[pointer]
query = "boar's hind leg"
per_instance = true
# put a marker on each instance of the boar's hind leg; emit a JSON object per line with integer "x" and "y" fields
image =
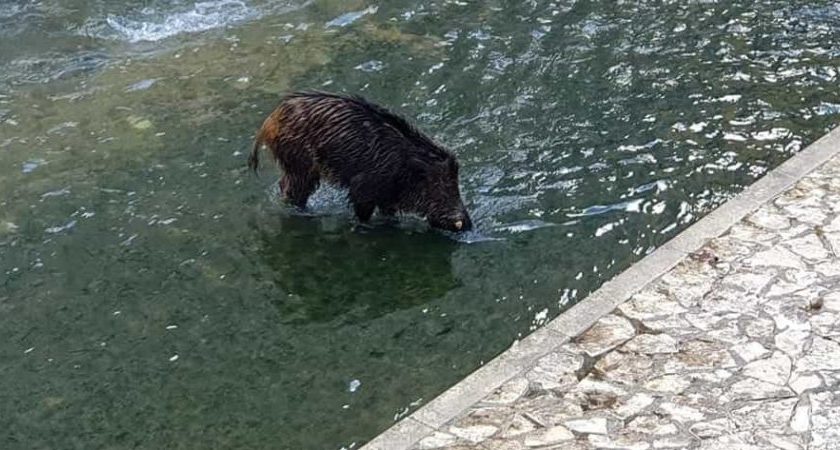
{"x": 297, "y": 189}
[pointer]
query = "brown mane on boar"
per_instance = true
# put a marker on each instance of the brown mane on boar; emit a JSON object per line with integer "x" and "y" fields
{"x": 384, "y": 161}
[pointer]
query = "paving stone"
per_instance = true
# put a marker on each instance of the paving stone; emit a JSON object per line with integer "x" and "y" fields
{"x": 808, "y": 247}
{"x": 652, "y": 425}
{"x": 781, "y": 441}
{"x": 745, "y": 231}
{"x": 730, "y": 300}
{"x": 634, "y": 405}
{"x": 595, "y": 425}
{"x": 509, "y": 392}
{"x": 834, "y": 225}
{"x": 800, "y": 421}
{"x": 823, "y": 354}
{"x": 674, "y": 384}
{"x": 607, "y": 334}
{"x": 730, "y": 249}
{"x": 555, "y": 371}
{"x": 710, "y": 377}
{"x": 607, "y": 442}
{"x": 831, "y": 301}
{"x": 764, "y": 414}
{"x": 826, "y": 324}
{"x": 768, "y": 217}
{"x": 800, "y": 382}
{"x": 503, "y": 444}
{"x": 831, "y": 378}
{"x": 825, "y": 410}
{"x": 793, "y": 342}
{"x": 752, "y": 389}
{"x": 549, "y": 436}
{"x": 627, "y": 368}
{"x": 671, "y": 325}
{"x": 805, "y": 208}
{"x": 651, "y": 344}
{"x": 759, "y": 327}
{"x": 707, "y": 399}
{"x": 739, "y": 441}
{"x": 646, "y": 305}
{"x": 594, "y": 400}
{"x": 474, "y": 433}
{"x": 687, "y": 285}
{"x": 828, "y": 439}
{"x": 681, "y": 413}
{"x": 699, "y": 355}
{"x": 672, "y": 442}
{"x": 592, "y": 384}
{"x": 774, "y": 370}
{"x": 458, "y": 446}
{"x": 706, "y": 320}
{"x": 484, "y": 415}
{"x": 548, "y": 410}
{"x": 712, "y": 428}
{"x": 829, "y": 268}
{"x": 752, "y": 282}
{"x": 791, "y": 281}
{"x": 776, "y": 257}
{"x": 750, "y": 351}
{"x": 518, "y": 425}
{"x": 788, "y": 316}
{"x": 436, "y": 440}
{"x": 731, "y": 334}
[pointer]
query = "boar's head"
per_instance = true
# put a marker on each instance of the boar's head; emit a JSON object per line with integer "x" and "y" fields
{"x": 436, "y": 194}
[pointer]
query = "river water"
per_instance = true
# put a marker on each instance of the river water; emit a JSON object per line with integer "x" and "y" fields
{"x": 154, "y": 294}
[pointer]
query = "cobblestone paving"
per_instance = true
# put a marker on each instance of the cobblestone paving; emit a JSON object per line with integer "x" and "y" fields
{"x": 738, "y": 347}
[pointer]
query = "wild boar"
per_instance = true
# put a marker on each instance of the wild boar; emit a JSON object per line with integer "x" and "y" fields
{"x": 383, "y": 161}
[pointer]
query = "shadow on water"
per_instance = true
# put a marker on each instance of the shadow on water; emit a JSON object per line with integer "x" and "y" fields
{"x": 351, "y": 273}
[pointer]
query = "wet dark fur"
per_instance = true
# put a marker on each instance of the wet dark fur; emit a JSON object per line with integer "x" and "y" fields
{"x": 383, "y": 161}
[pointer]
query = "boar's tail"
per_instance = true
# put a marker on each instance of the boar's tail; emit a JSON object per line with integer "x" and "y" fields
{"x": 268, "y": 135}
{"x": 254, "y": 157}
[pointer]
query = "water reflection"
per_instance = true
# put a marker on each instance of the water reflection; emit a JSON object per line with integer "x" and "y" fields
{"x": 352, "y": 274}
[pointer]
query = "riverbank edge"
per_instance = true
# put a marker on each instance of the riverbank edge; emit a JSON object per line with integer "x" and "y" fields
{"x": 523, "y": 354}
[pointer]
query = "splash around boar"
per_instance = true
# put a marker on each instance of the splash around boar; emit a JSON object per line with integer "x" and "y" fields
{"x": 384, "y": 162}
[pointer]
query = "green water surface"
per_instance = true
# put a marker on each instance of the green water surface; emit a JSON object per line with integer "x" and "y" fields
{"x": 154, "y": 294}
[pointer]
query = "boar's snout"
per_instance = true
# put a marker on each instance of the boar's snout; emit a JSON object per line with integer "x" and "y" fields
{"x": 456, "y": 223}
{"x": 464, "y": 223}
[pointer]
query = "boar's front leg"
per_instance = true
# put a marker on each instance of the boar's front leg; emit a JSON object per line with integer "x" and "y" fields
{"x": 363, "y": 211}
{"x": 363, "y": 197}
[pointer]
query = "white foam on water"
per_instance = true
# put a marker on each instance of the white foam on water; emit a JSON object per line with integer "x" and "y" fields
{"x": 141, "y": 85}
{"x": 773, "y": 134}
{"x": 201, "y": 17}
{"x": 472, "y": 237}
{"x": 12, "y": 10}
{"x": 523, "y": 226}
{"x": 60, "y": 228}
{"x": 350, "y": 17}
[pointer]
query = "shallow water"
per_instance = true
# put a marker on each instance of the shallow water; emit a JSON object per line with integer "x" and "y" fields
{"x": 156, "y": 295}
